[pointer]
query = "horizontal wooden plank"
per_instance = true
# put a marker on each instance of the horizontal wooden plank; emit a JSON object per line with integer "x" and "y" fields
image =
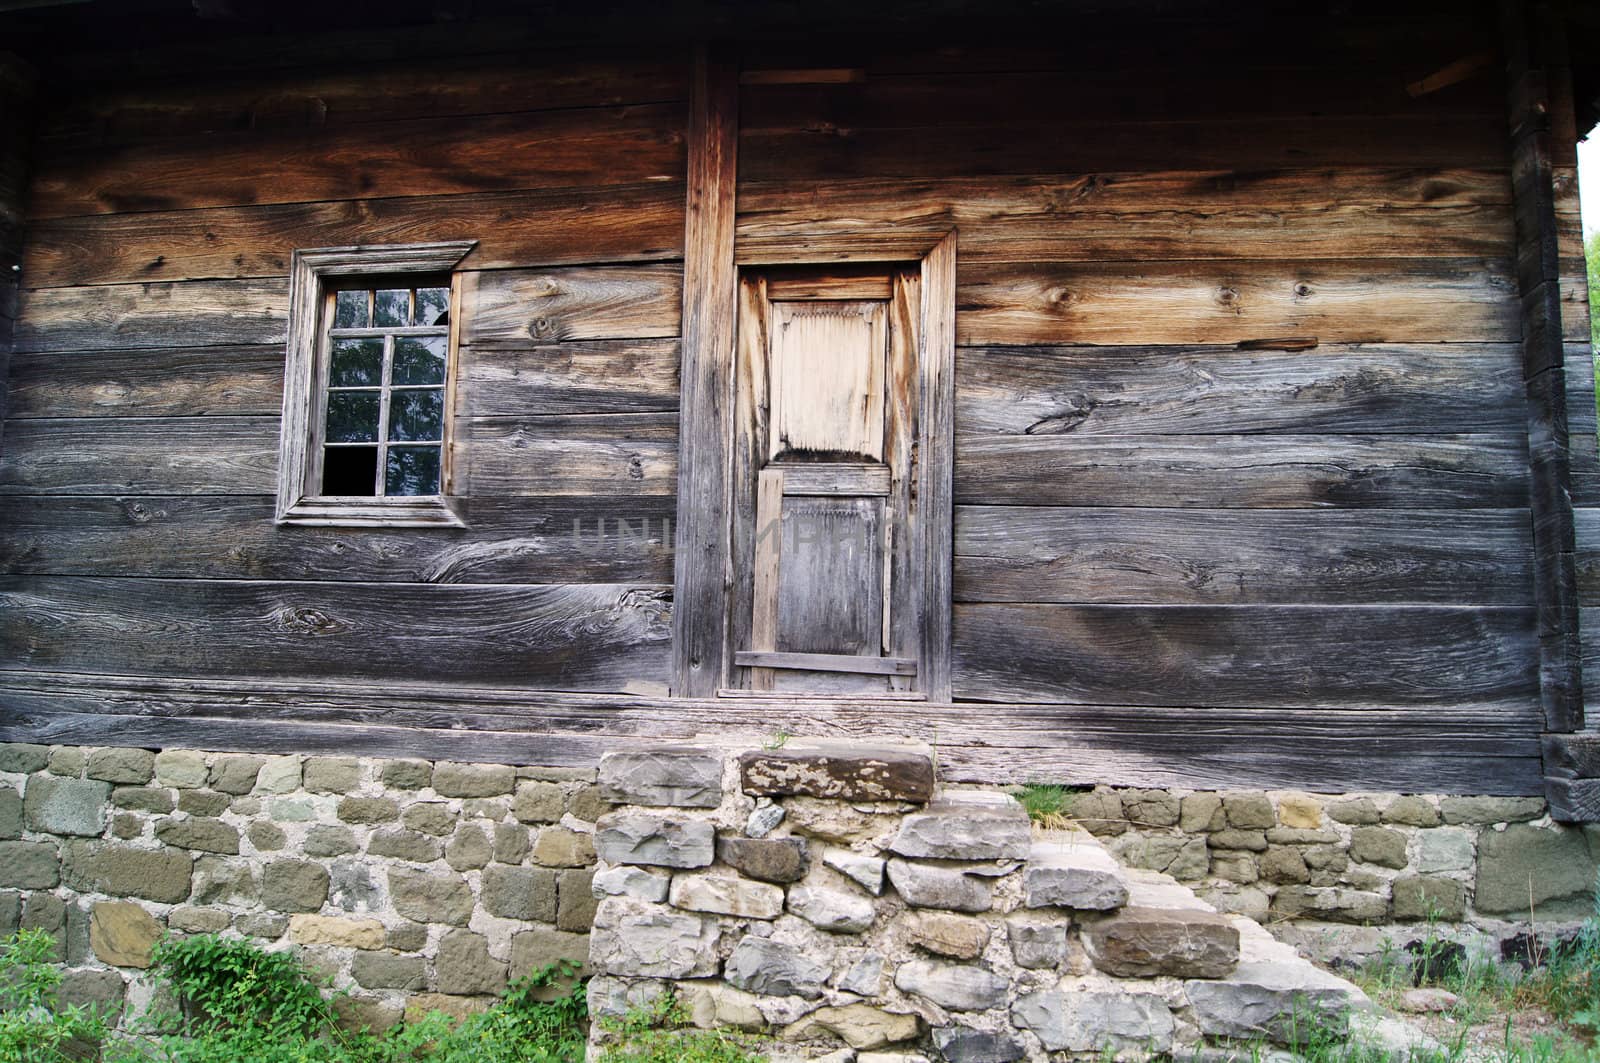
{"x": 1325, "y": 656}
{"x": 1181, "y": 390}
{"x": 342, "y": 95}
{"x": 618, "y": 223}
{"x": 625, "y": 539}
{"x": 161, "y": 314}
{"x": 826, "y": 662}
{"x": 611, "y": 637}
{"x": 580, "y": 376}
{"x": 148, "y": 382}
{"x": 604, "y": 456}
{"x": 1394, "y": 301}
{"x": 1484, "y": 748}
{"x": 1239, "y": 557}
{"x": 1245, "y": 472}
{"x": 432, "y": 156}
{"x": 1085, "y": 145}
{"x": 517, "y": 308}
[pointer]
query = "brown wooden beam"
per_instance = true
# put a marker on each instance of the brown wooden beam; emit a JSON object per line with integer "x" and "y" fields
{"x": 702, "y": 564}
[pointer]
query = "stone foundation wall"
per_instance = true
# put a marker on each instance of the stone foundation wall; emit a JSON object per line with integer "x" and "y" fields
{"x": 429, "y": 884}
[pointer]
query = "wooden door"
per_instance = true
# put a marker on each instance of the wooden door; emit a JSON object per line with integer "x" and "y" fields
{"x": 826, "y": 577}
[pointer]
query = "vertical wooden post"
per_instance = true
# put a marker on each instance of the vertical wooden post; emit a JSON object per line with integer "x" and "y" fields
{"x": 703, "y": 564}
{"x": 16, "y": 136}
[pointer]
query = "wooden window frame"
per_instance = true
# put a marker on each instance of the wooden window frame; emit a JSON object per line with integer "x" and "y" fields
{"x": 300, "y": 500}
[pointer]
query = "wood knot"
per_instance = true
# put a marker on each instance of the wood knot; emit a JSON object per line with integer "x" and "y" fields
{"x": 1302, "y": 290}
{"x": 307, "y": 621}
{"x": 137, "y": 512}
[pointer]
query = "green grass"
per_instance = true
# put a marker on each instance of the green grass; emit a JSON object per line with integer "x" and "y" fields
{"x": 1047, "y": 804}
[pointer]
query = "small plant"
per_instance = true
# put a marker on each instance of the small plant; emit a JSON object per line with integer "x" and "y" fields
{"x": 226, "y": 984}
{"x": 1046, "y": 804}
{"x": 34, "y": 1028}
{"x": 661, "y": 1033}
{"x": 776, "y": 740}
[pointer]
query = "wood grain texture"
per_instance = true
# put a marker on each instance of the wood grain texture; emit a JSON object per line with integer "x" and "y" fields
{"x": 518, "y": 307}
{"x": 1240, "y": 557}
{"x": 1475, "y": 748}
{"x": 240, "y": 381}
{"x": 159, "y": 314}
{"x": 581, "y": 376}
{"x": 625, "y": 539}
{"x": 593, "y": 637}
{"x": 618, "y": 223}
{"x": 1245, "y": 472}
{"x": 608, "y": 455}
{"x": 1244, "y": 655}
{"x": 1421, "y": 301}
{"x": 1183, "y": 390}
{"x": 432, "y": 156}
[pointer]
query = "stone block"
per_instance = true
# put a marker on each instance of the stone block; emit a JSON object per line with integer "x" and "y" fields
{"x": 832, "y": 910}
{"x": 122, "y": 934}
{"x": 1105, "y": 1022}
{"x": 128, "y": 766}
{"x": 23, "y": 759}
{"x": 181, "y": 768}
{"x": 1073, "y": 874}
{"x": 1356, "y": 811}
{"x": 780, "y": 860}
{"x": 351, "y": 886}
{"x": 268, "y": 926}
{"x": 10, "y": 913}
{"x": 294, "y": 886}
{"x": 453, "y": 1008}
{"x": 188, "y": 919}
{"x": 201, "y": 835}
{"x": 430, "y": 817}
{"x": 575, "y": 900}
{"x": 540, "y": 947}
{"x": 1233, "y": 866}
{"x": 860, "y": 1026}
{"x": 638, "y": 940}
{"x": 928, "y": 886}
{"x": 1418, "y": 897}
{"x": 632, "y": 882}
{"x": 764, "y": 819}
{"x": 511, "y": 844}
{"x": 661, "y": 841}
{"x": 1301, "y": 836}
{"x": 331, "y": 775}
{"x": 959, "y": 937}
{"x": 368, "y": 810}
{"x": 1490, "y": 810}
{"x": 10, "y": 813}
{"x": 404, "y": 845}
{"x": 1284, "y": 865}
{"x": 539, "y": 802}
{"x": 1201, "y": 812}
{"x": 1249, "y": 811}
{"x": 860, "y": 971}
{"x": 101, "y": 990}
{"x": 1037, "y": 945}
{"x": 30, "y": 865}
{"x": 1149, "y": 942}
{"x": 519, "y": 893}
{"x": 235, "y": 774}
{"x": 53, "y": 805}
{"x": 162, "y": 875}
{"x": 716, "y": 1005}
{"x": 966, "y": 826}
{"x": 587, "y": 805}
{"x": 470, "y": 849}
{"x": 406, "y": 774}
{"x": 1378, "y": 845}
{"x": 353, "y": 1014}
{"x": 326, "y": 839}
{"x": 337, "y": 931}
{"x": 279, "y": 775}
{"x": 218, "y": 880}
{"x": 560, "y": 847}
{"x": 68, "y": 761}
{"x": 1150, "y": 808}
{"x": 722, "y": 894}
{"x": 1331, "y": 904}
{"x": 1253, "y": 841}
{"x": 834, "y": 821}
{"x": 977, "y": 1046}
{"x": 463, "y": 966}
{"x": 687, "y": 778}
{"x": 614, "y": 998}
{"x": 1299, "y": 811}
{"x": 1272, "y": 1000}
{"x": 1551, "y": 869}
{"x": 451, "y": 779}
{"x": 838, "y": 770}
{"x": 773, "y": 968}
{"x": 1411, "y": 811}
{"x": 1444, "y": 849}
{"x": 864, "y": 870}
{"x": 958, "y": 987}
{"x": 135, "y": 798}
{"x": 203, "y": 802}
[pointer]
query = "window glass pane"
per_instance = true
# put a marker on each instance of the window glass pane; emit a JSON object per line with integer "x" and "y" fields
{"x": 350, "y": 470}
{"x": 392, "y": 306}
{"x": 419, "y": 360}
{"x": 433, "y": 306}
{"x": 350, "y": 309}
{"x": 416, "y": 415}
{"x": 353, "y": 417}
{"x": 412, "y": 471}
{"x": 356, "y": 364}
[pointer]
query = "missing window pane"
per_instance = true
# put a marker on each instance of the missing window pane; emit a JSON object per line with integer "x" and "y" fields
{"x": 412, "y": 471}
{"x": 350, "y": 471}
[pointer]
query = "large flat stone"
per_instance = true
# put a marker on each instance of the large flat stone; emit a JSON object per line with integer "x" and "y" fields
{"x": 52, "y": 805}
{"x": 928, "y": 886}
{"x": 1549, "y": 869}
{"x": 858, "y": 1025}
{"x": 864, "y": 870}
{"x": 768, "y": 859}
{"x": 688, "y": 778}
{"x": 1147, "y": 942}
{"x": 161, "y": 875}
{"x": 640, "y": 940}
{"x": 960, "y": 937}
{"x": 959, "y": 987}
{"x": 977, "y": 1046}
{"x": 775, "y": 969}
{"x": 966, "y": 826}
{"x": 660, "y": 841}
{"x": 723, "y": 894}
{"x": 844, "y": 771}
{"x": 1272, "y": 1000}
{"x": 1096, "y": 1021}
{"x": 831, "y": 910}
{"x": 1069, "y": 874}
{"x": 122, "y": 934}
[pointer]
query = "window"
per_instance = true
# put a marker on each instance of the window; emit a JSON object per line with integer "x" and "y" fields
{"x": 367, "y": 386}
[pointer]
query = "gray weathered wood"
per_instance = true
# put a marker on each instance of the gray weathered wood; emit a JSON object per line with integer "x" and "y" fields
{"x": 826, "y": 662}
{"x": 1329, "y": 656}
{"x": 518, "y": 308}
{"x": 167, "y": 315}
{"x": 939, "y": 318}
{"x": 187, "y": 381}
{"x": 1226, "y": 557}
{"x": 580, "y": 376}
